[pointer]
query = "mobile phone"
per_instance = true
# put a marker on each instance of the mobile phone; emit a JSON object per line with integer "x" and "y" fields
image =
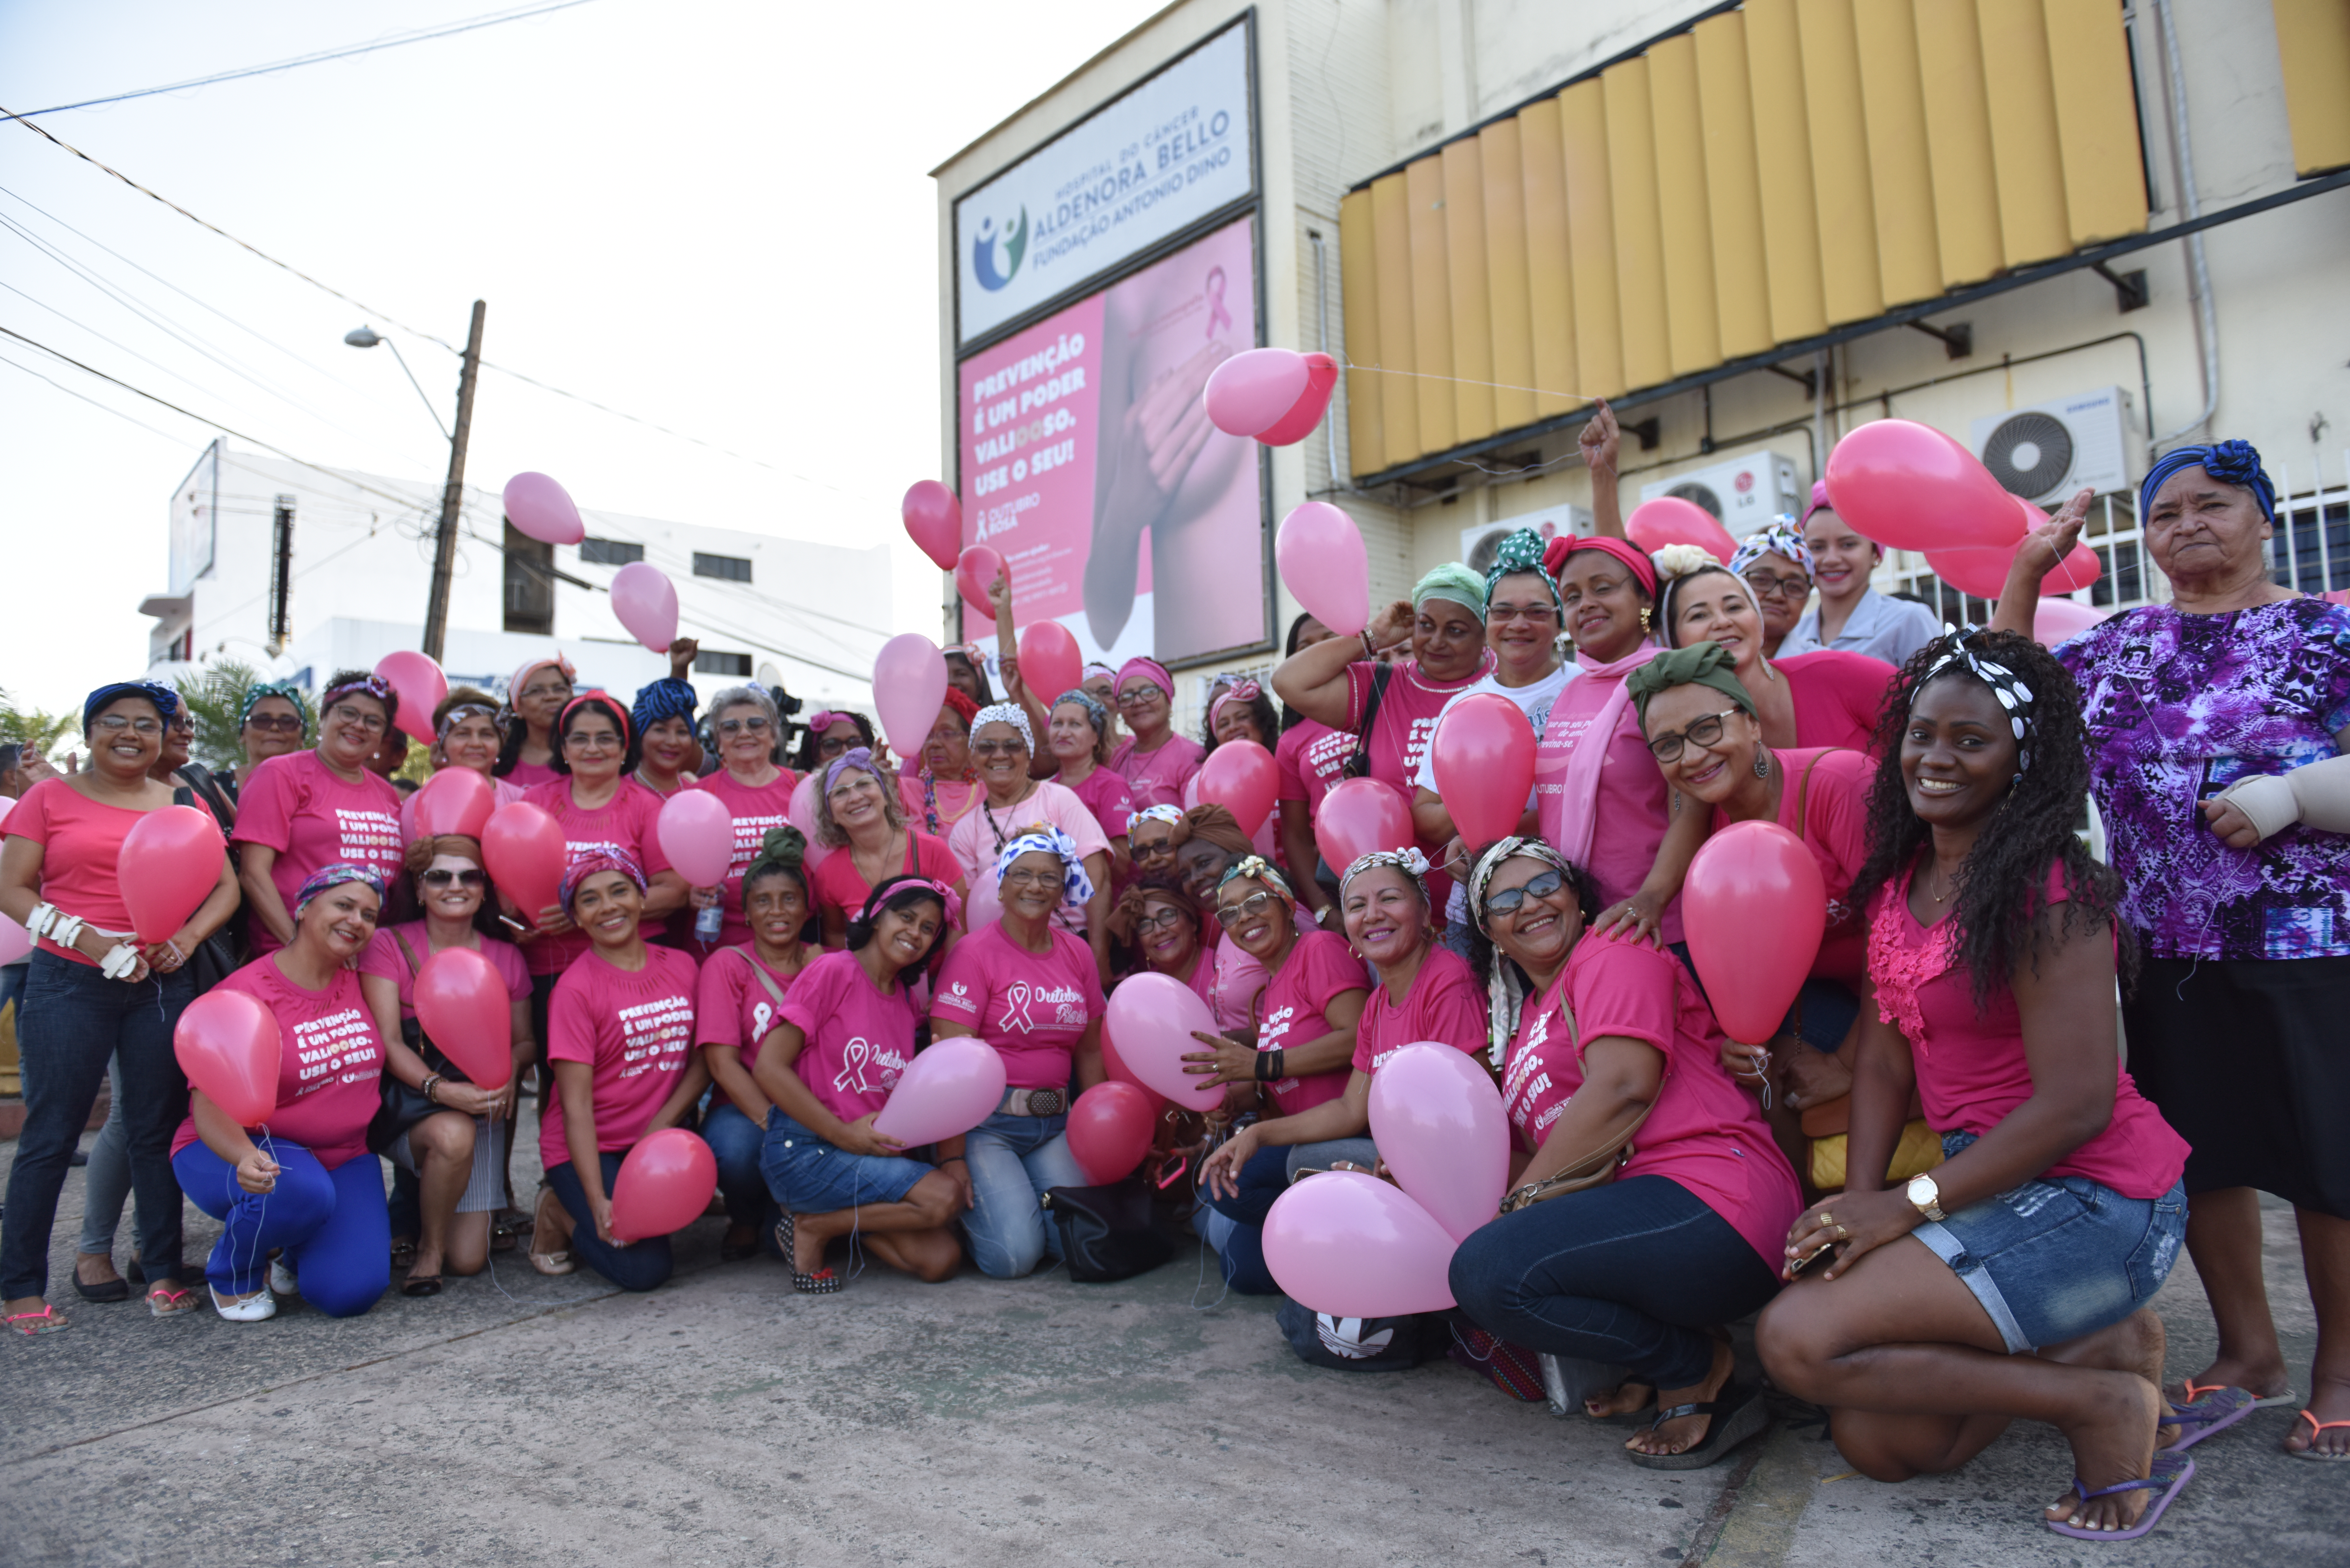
{"x": 1818, "y": 1259}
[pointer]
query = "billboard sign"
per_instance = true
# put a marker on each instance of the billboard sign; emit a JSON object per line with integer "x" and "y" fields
{"x": 195, "y": 522}
{"x": 1165, "y": 154}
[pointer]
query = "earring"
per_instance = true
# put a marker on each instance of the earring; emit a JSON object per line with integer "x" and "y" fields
{"x": 1762, "y": 762}
{"x": 1644, "y": 620}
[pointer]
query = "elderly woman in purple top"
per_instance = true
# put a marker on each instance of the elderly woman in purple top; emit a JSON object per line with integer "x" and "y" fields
{"x": 2217, "y": 724}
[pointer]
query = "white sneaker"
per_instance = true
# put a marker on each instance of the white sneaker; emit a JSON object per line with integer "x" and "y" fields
{"x": 259, "y": 1307}
{"x": 281, "y": 1278}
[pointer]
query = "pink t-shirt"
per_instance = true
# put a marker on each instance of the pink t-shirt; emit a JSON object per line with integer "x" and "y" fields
{"x": 858, "y": 1040}
{"x": 1632, "y": 800}
{"x": 625, "y": 822}
{"x": 1239, "y": 980}
{"x": 1318, "y": 970}
{"x": 1032, "y": 1007}
{"x": 296, "y": 805}
{"x": 1157, "y": 778}
{"x": 756, "y": 811}
{"x": 81, "y": 842}
{"x": 635, "y": 1030}
{"x": 1406, "y": 718}
{"x": 503, "y": 791}
{"x": 530, "y": 775}
{"x": 1105, "y": 793}
{"x": 1831, "y": 786}
{"x": 839, "y": 885}
{"x": 1837, "y": 696}
{"x": 732, "y": 1008}
{"x": 329, "y": 1063}
{"x": 977, "y": 838}
{"x": 1309, "y": 756}
{"x": 1971, "y": 1067}
{"x": 1445, "y": 1004}
{"x": 384, "y": 958}
{"x": 1704, "y": 1134}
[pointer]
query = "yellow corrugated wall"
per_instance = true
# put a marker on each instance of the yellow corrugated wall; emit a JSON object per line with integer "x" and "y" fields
{"x": 1692, "y": 313}
{"x": 1783, "y": 155}
{"x": 1472, "y": 314}
{"x": 1501, "y": 164}
{"x": 1398, "y": 394}
{"x": 2022, "y": 93}
{"x": 1840, "y": 181}
{"x": 1734, "y": 189}
{"x": 1358, "y": 285}
{"x": 1431, "y": 307}
{"x": 1901, "y": 180}
{"x": 1958, "y": 141}
{"x": 2096, "y": 121}
{"x": 2314, "y": 44}
{"x": 1639, "y": 223}
{"x": 1590, "y": 240}
{"x": 1550, "y": 277}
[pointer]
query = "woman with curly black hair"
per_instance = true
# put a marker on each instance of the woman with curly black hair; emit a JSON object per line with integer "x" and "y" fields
{"x": 2057, "y": 1210}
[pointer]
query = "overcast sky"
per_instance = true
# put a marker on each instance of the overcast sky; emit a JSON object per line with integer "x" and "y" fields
{"x": 712, "y": 214}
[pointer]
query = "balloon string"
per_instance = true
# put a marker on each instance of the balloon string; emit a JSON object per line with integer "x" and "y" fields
{"x": 1583, "y": 398}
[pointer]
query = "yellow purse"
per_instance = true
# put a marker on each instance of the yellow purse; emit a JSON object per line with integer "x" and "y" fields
{"x": 1919, "y": 1151}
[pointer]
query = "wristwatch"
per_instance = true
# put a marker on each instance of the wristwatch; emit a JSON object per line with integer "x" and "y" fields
{"x": 1924, "y": 1197}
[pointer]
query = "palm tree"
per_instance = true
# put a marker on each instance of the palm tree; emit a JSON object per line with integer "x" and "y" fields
{"x": 215, "y": 699}
{"x": 33, "y": 727}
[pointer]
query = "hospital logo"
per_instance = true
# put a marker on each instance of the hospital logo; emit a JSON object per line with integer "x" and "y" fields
{"x": 1014, "y": 241}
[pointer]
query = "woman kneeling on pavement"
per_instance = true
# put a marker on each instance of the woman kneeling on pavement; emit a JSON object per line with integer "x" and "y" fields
{"x": 1613, "y": 1046}
{"x": 2059, "y": 1210}
{"x": 843, "y": 1035}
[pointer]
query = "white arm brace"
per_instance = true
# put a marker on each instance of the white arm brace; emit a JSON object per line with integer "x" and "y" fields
{"x": 2316, "y": 795}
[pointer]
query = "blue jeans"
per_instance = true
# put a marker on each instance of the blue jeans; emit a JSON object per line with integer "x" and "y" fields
{"x": 1263, "y": 1177}
{"x": 1633, "y": 1272}
{"x": 735, "y": 1140}
{"x": 1014, "y": 1161}
{"x": 639, "y": 1266}
{"x": 71, "y": 1020}
{"x": 12, "y": 982}
{"x": 331, "y": 1223}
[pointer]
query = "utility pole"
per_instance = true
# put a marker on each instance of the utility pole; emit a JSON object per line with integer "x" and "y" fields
{"x": 445, "y": 544}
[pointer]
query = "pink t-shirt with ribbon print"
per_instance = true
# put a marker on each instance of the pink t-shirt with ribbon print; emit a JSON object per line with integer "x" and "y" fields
{"x": 1032, "y": 1007}
{"x": 635, "y": 1030}
{"x": 859, "y": 1040}
{"x": 329, "y": 1063}
{"x": 296, "y": 805}
{"x": 1319, "y": 970}
{"x": 1445, "y": 1005}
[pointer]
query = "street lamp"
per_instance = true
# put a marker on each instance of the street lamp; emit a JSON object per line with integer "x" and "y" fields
{"x": 368, "y": 338}
{"x": 453, "y": 494}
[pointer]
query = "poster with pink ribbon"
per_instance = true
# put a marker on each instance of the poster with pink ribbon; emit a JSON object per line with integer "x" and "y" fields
{"x": 1088, "y": 462}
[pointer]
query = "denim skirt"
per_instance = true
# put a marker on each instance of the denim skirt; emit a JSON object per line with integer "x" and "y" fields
{"x": 808, "y": 1176}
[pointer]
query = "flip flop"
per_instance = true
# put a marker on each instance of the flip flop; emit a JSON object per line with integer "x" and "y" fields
{"x": 2172, "y": 1471}
{"x": 2194, "y": 1391}
{"x": 2214, "y": 1412}
{"x": 167, "y": 1301}
{"x": 45, "y": 1321}
{"x": 2317, "y": 1426}
{"x": 421, "y": 1285}
{"x": 1737, "y": 1415}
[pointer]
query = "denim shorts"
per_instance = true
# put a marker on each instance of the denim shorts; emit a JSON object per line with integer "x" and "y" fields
{"x": 2060, "y": 1256}
{"x": 809, "y": 1176}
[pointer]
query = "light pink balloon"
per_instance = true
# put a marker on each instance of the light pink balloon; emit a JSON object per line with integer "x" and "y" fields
{"x": 948, "y": 1090}
{"x": 1325, "y": 567}
{"x": 1440, "y": 1127}
{"x": 1250, "y": 393}
{"x": 1153, "y": 1016}
{"x": 1346, "y": 1243}
{"x": 909, "y": 687}
{"x": 543, "y": 509}
{"x": 420, "y": 686}
{"x": 16, "y": 942}
{"x": 645, "y": 601}
{"x": 802, "y": 813}
{"x": 2059, "y": 620}
{"x": 697, "y": 834}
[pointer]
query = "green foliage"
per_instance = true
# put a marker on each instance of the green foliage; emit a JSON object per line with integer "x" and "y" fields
{"x": 35, "y": 728}
{"x": 216, "y": 701}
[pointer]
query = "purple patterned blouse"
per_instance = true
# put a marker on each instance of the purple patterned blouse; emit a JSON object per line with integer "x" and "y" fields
{"x": 2179, "y": 707}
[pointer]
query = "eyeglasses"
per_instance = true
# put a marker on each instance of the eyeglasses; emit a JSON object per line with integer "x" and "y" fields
{"x": 1153, "y": 849}
{"x": 998, "y": 749}
{"x": 1248, "y": 908}
{"x": 1510, "y": 900}
{"x": 756, "y": 724}
{"x": 463, "y": 878}
{"x": 1032, "y": 878}
{"x": 1503, "y": 614}
{"x": 1141, "y": 697}
{"x": 1704, "y": 731}
{"x": 1773, "y": 585}
{"x": 1165, "y": 919}
{"x": 283, "y": 724}
{"x": 345, "y": 713}
{"x": 115, "y": 723}
{"x": 834, "y": 745}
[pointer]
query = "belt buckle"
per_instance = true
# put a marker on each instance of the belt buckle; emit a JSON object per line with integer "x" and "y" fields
{"x": 1045, "y": 1102}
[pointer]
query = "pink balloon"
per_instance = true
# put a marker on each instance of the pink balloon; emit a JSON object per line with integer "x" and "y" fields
{"x": 169, "y": 864}
{"x": 664, "y": 1185}
{"x": 420, "y": 687}
{"x": 1050, "y": 660}
{"x": 1241, "y": 776}
{"x": 645, "y": 601}
{"x": 933, "y": 521}
{"x": 948, "y": 1090}
{"x": 697, "y": 834}
{"x": 1670, "y": 520}
{"x": 1110, "y": 1130}
{"x": 1115, "y": 1066}
{"x": 16, "y": 942}
{"x": 543, "y": 509}
{"x": 1346, "y": 1243}
{"x": 1154, "y": 1016}
{"x": 527, "y": 854}
{"x": 975, "y": 568}
{"x": 802, "y": 813}
{"x": 462, "y": 1001}
{"x": 1325, "y": 567}
{"x": 1753, "y": 967}
{"x": 1359, "y": 815}
{"x": 1321, "y": 375}
{"x": 1440, "y": 1126}
{"x": 454, "y": 800}
{"x": 1251, "y": 392}
{"x": 909, "y": 687}
{"x": 1484, "y": 758}
{"x": 227, "y": 1043}
{"x": 2060, "y": 620}
{"x": 1911, "y": 487}
{"x": 1983, "y": 570}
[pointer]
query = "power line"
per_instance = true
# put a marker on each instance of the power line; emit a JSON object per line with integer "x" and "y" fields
{"x": 176, "y": 440}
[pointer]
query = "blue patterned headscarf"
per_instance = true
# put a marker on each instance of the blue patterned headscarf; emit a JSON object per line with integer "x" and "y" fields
{"x": 1776, "y": 537}
{"x": 667, "y": 698}
{"x": 334, "y": 875}
{"x": 166, "y": 701}
{"x": 1044, "y": 839}
{"x": 2229, "y": 462}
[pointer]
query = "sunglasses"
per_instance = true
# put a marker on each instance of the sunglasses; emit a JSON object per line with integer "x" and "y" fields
{"x": 463, "y": 878}
{"x": 834, "y": 745}
{"x": 757, "y": 725}
{"x": 283, "y": 724}
{"x": 1512, "y": 900}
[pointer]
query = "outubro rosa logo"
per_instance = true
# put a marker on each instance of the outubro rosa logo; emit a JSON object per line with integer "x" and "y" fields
{"x": 1015, "y": 243}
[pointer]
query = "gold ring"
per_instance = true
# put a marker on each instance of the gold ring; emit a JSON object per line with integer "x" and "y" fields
{"x": 1826, "y": 1218}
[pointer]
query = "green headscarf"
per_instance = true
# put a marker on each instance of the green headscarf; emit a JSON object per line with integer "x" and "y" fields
{"x": 1455, "y": 582}
{"x": 1699, "y": 664}
{"x": 286, "y": 688}
{"x": 1521, "y": 552}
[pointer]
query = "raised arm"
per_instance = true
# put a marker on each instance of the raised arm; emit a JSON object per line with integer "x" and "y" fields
{"x": 1313, "y": 680}
{"x": 2036, "y": 558}
{"x": 1598, "y": 443}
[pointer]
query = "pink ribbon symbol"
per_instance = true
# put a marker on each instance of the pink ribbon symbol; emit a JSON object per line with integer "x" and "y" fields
{"x": 1217, "y": 314}
{"x": 1015, "y": 1009}
{"x": 851, "y": 1077}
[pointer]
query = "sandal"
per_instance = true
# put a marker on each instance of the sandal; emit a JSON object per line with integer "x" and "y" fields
{"x": 171, "y": 1300}
{"x": 1732, "y": 1417}
{"x": 2215, "y": 1412}
{"x": 114, "y": 1290}
{"x": 2316, "y": 1428}
{"x": 403, "y": 1251}
{"x": 421, "y": 1285}
{"x": 2172, "y": 1471}
{"x": 823, "y": 1283}
{"x": 2192, "y": 1391}
{"x": 732, "y": 1251}
{"x": 45, "y": 1321}
{"x": 556, "y": 1262}
{"x": 504, "y": 1235}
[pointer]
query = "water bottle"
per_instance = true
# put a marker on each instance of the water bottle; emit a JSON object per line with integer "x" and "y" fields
{"x": 708, "y": 923}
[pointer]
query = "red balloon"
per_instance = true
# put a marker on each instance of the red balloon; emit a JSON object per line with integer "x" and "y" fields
{"x": 933, "y": 521}
{"x": 1911, "y": 487}
{"x": 1240, "y": 775}
{"x": 169, "y": 864}
{"x": 1115, "y": 1066}
{"x": 974, "y": 569}
{"x": 1484, "y": 758}
{"x": 454, "y": 800}
{"x": 420, "y": 687}
{"x": 465, "y": 1010}
{"x": 227, "y": 1043}
{"x": 1753, "y": 907}
{"x": 1670, "y": 520}
{"x": 1050, "y": 660}
{"x": 663, "y": 1186}
{"x": 1359, "y": 815}
{"x": 1321, "y": 377}
{"x": 1110, "y": 1130}
{"x": 527, "y": 854}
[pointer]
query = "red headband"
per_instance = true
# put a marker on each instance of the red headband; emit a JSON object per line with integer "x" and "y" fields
{"x": 611, "y": 705}
{"x": 1555, "y": 553}
{"x": 961, "y": 703}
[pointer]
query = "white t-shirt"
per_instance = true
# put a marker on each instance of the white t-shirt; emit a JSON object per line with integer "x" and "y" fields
{"x": 973, "y": 841}
{"x": 1532, "y": 701}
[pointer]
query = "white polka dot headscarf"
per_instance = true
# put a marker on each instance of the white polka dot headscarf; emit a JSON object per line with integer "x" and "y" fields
{"x": 2014, "y": 695}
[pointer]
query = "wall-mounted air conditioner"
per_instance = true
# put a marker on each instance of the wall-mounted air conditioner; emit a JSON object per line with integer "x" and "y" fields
{"x": 2047, "y": 452}
{"x": 1742, "y": 492}
{"x": 1478, "y": 544}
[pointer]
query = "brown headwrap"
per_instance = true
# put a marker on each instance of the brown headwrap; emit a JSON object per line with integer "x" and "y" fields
{"x": 1215, "y": 824}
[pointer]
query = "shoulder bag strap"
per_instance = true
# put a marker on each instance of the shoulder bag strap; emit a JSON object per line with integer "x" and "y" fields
{"x": 1359, "y": 764}
{"x": 1593, "y": 1168}
{"x": 759, "y": 971}
{"x": 400, "y": 938}
{"x": 223, "y": 809}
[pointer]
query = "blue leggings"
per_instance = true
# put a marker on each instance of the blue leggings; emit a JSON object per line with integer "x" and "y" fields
{"x": 642, "y": 1265}
{"x": 331, "y": 1224}
{"x": 737, "y": 1141}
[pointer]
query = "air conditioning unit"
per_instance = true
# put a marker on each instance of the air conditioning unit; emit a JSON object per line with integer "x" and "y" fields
{"x": 1478, "y": 544}
{"x": 1742, "y": 492}
{"x": 2048, "y": 451}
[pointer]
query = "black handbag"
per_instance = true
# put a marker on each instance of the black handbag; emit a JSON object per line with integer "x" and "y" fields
{"x": 1107, "y": 1232}
{"x": 400, "y": 1106}
{"x": 218, "y": 956}
{"x": 1357, "y": 765}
